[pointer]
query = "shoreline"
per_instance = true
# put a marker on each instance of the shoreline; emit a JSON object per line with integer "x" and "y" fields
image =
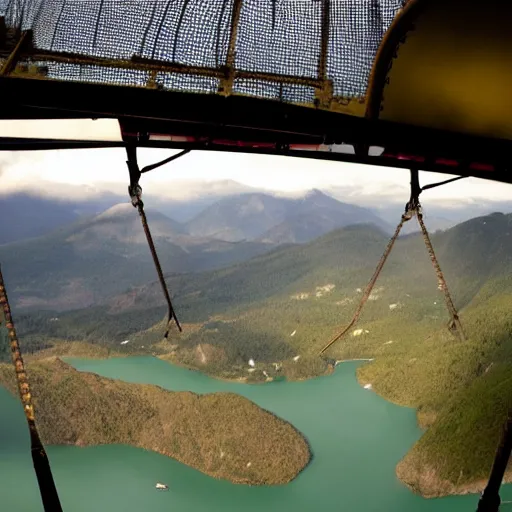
{"x": 180, "y": 401}
{"x": 339, "y": 361}
{"x": 443, "y": 490}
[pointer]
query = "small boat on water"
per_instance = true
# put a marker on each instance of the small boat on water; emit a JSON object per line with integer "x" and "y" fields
{"x": 161, "y": 487}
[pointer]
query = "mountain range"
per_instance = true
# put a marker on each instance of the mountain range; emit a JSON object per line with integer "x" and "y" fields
{"x": 85, "y": 261}
{"x": 96, "y": 256}
{"x": 28, "y": 215}
{"x": 276, "y": 219}
{"x": 212, "y": 209}
{"x": 37, "y": 212}
{"x": 346, "y": 259}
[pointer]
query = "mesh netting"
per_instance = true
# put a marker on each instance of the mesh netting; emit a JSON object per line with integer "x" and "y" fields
{"x": 271, "y": 38}
{"x": 290, "y": 93}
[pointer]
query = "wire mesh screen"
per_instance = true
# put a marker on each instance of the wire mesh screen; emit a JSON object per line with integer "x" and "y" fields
{"x": 288, "y": 50}
{"x": 280, "y": 37}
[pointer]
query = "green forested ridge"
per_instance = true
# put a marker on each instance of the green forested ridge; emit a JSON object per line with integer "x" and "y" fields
{"x": 81, "y": 264}
{"x": 289, "y": 302}
{"x": 222, "y": 434}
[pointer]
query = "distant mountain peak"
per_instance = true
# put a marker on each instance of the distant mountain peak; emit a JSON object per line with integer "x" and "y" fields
{"x": 314, "y": 192}
{"x": 120, "y": 209}
{"x": 271, "y": 219}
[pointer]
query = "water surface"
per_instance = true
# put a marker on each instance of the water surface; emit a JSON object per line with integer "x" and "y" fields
{"x": 357, "y": 439}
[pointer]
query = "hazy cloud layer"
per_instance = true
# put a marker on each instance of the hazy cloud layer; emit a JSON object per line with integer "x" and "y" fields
{"x": 85, "y": 174}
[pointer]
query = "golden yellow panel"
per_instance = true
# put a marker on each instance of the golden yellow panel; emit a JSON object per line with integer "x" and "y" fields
{"x": 454, "y": 70}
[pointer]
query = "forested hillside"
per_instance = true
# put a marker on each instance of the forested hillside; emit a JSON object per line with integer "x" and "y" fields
{"x": 82, "y": 263}
{"x": 221, "y": 434}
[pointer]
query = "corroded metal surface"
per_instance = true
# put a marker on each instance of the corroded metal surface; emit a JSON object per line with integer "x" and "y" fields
{"x": 317, "y": 53}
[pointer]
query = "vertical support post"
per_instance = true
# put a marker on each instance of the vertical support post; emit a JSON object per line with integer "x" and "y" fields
{"x": 151, "y": 83}
{"x": 322, "y": 62}
{"x": 325, "y": 93}
{"x": 415, "y": 187}
{"x": 490, "y": 500}
{"x": 226, "y": 83}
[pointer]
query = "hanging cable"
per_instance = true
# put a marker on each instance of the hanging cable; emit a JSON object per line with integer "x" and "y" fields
{"x": 412, "y": 208}
{"x": 490, "y": 499}
{"x": 371, "y": 284}
{"x": 454, "y": 324}
{"x": 49, "y": 496}
{"x": 135, "y": 192}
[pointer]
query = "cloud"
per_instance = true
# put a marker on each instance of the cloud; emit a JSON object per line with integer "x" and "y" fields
{"x": 186, "y": 190}
{"x": 84, "y": 174}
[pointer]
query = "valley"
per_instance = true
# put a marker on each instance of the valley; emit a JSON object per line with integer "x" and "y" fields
{"x": 264, "y": 306}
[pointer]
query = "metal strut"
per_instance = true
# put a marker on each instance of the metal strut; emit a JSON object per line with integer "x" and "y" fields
{"x": 49, "y": 496}
{"x": 135, "y": 192}
{"x": 412, "y": 208}
{"x": 490, "y": 500}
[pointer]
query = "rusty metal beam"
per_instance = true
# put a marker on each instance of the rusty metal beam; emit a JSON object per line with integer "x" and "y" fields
{"x": 142, "y": 64}
{"x": 226, "y": 83}
{"x": 324, "y": 95}
{"x": 208, "y": 117}
{"x": 15, "y": 55}
{"x": 322, "y": 62}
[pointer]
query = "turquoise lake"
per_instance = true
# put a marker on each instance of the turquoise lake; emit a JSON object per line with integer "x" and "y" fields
{"x": 356, "y": 437}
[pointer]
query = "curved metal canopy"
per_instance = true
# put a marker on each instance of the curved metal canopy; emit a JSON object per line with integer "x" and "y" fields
{"x": 447, "y": 65}
{"x": 272, "y": 76}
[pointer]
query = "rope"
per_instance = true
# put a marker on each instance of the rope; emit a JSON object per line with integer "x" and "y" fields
{"x": 171, "y": 313}
{"x": 371, "y": 284}
{"x": 49, "y": 496}
{"x": 454, "y": 324}
{"x": 135, "y": 192}
{"x": 163, "y": 162}
{"x": 413, "y": 208}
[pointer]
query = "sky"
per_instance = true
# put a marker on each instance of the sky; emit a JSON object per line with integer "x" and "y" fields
{"x": 80, "y": 173}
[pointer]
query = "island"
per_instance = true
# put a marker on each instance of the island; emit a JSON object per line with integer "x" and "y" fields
{"x": 223, "y": 435}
